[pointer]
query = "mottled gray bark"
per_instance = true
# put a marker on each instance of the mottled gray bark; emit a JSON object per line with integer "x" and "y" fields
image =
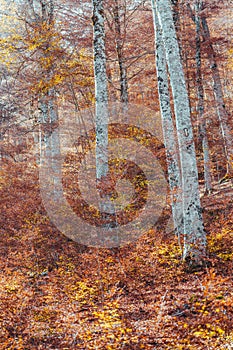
{"x": 169, "y": 132}
{"x": 194, "y": 233}
{"x": 200, "y": 102}
{"x": 219, "y": 98}
{"x": 120, "y": 56}
{"x": 101, "y": 111}
{"x": 49, "y": 140}
{"x": 101, "y": 91}
{"x": 177, "y": 22}
{"x": 218, "y": 91}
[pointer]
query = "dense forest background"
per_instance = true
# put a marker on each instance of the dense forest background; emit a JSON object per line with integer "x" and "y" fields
{"x": 55, "y": 292}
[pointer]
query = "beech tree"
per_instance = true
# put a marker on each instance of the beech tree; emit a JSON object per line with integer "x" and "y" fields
{"x": 101, "y": 109}
{"x": 119, "y": 38}
{"x": 219, "y": 98}
{"x": 128, "y": 54}
{"x": 217, "y": 88}
{"x": 101, "y": 91}
{"x": 194, "y": 233}
{"x": 168, "y": 129}
{"x": 200, "y": 102}
{"x": 41, "y": 31}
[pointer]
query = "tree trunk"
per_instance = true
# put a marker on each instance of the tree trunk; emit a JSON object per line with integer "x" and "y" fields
{"x": 220, "y": 104}
{"x": 51, "y": 139}
{"x": 194, "y": 233}
{"x": 101, "y": 110}
{"x": 218, "y": 93}
{"x": 120, "y": 56}
{"x": 177, "y": 23}
{"x": 200, "y": 105}
{"x": 47, "y": 103}
{"x": 169, "y": 133}
{"x": 101, "y": 88}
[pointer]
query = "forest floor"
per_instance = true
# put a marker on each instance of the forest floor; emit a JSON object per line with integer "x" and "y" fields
{"x": 57, "y": 294}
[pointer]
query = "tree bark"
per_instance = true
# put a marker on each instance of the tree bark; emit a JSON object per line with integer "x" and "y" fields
{"x": 219, "y": 98}
{"x": 218, "y": 93}
{"x": 47, "y": 103}
{"x": 200, "y": 104}
{"x": 169, "y": 132}
{"x": 194, "y": 233}
{"x": 101, "y": 111}
{"x": 120, "y": 56}
{"x": 101, "y": 91}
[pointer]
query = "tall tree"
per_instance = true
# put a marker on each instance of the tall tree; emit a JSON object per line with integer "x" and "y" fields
{"x": 217, "y": 88}
{"x": 194, "y": 233}
{"x": 128, "y": 55}
{"x": 101, "y": 109}
{"x": 219, "y": 98}
{"x": 200, "y": 97}
{"x": 120, "y": 56}
{"x": 169, "y": 132}
{"x": 41, "y": 22}
{"x": 101, "y": 91}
